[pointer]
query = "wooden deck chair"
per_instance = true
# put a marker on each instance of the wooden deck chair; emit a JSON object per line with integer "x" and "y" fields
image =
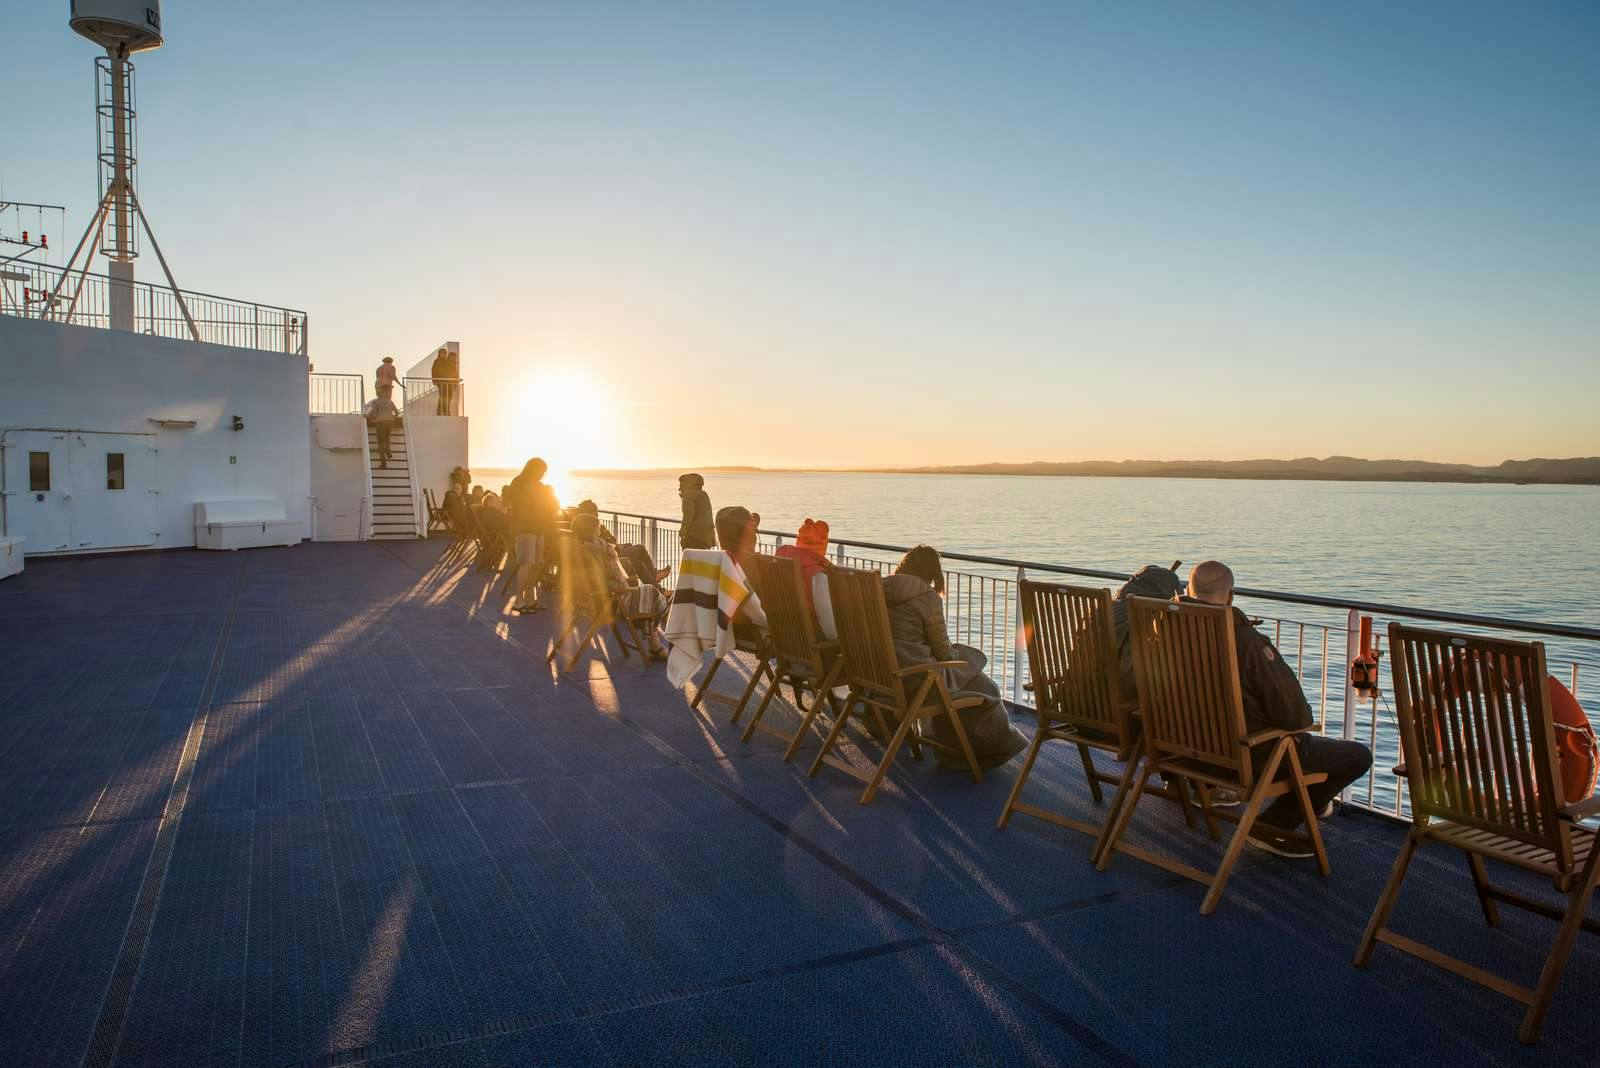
{"x": 1483, "y": 768}
{"x": 746, "y": 640}
{"x": 880, "y": 687}
{"x": 1076, "y": 675}
{"x": 1192, "y": 707}
{"x": 801, "y": 657}
{"x": 437, "y": 517}
{"x": 585, "y": 595}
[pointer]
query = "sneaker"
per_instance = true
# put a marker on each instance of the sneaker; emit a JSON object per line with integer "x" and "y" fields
{"x": 1271, "y": 839}
{"x": 1330, "y": 810}
{"x": 1221, "y": 797}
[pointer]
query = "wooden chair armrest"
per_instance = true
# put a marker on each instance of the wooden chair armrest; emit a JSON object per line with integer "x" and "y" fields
{"x": 1582, "y": 809}
{"x": 1271, "y": 734}
{"x": 930, "y": 666}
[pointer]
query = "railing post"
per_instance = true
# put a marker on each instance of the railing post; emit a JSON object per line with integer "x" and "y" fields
{"x": 654, "y": 541}
{"x": 838, "y": 553}
{"x": 1019, "y": 641}
{"x": 1352, "y": 648}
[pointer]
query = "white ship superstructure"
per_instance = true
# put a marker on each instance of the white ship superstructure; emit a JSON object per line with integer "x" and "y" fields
{"x": 136, "y": 415}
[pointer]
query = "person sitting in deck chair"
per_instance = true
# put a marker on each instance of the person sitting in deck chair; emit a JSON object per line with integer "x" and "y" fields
{"x": 1273, "y": 699}
{"x": 635, "y": 558}
{"x": 915, "y": 598}
{"x": 714, "y": 599}
{"x": 810, "y": 550}
{"x": 639, "y": 598}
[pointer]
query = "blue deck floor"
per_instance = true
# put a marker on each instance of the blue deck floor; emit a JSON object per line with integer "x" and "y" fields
{"x": 327, "y": 805}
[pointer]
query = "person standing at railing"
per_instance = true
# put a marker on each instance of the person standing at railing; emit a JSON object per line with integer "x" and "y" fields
{"x": 1273, "y": 700}
{"x": 385, "y": 378}
{"x": 914, "y": 595}
{"x": 440, "y": 373}
{"x": 698, "y": 529}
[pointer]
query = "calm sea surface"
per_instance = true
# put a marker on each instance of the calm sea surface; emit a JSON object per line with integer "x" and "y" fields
{"x": 1526, "y": 552}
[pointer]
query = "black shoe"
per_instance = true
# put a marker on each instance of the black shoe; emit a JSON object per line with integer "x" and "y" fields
{"x": 1265, "y": 836}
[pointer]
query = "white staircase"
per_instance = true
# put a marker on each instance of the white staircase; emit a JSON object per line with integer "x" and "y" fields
{"x": 394, "y": 511}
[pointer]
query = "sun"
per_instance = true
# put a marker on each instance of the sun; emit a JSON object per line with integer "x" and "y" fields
{"x": 567, "y": 417}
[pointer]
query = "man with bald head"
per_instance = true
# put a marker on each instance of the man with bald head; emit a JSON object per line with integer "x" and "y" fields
{"x": 1273, "y": 700}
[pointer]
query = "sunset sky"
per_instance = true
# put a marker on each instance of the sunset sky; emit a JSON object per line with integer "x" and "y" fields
{"x": 884, "y": 234}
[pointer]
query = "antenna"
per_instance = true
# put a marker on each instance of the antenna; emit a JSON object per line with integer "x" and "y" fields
{"x": 121, "y": 27}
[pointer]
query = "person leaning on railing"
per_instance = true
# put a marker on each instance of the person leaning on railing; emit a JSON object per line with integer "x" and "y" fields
{"x": 1273, "y": 700}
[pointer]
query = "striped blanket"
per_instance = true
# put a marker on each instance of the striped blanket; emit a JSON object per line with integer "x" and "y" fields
{"x": 711, "y": 587}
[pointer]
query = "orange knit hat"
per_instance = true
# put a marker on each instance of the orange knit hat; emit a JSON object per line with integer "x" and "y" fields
{"x": 813, "y": 536}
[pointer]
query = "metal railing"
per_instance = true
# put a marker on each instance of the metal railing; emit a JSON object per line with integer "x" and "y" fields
{"x": 85, "y": 300}
{"x": 429, "y": 396}
{"x": 337, "y": 394}
{"x": 982, "y": 610}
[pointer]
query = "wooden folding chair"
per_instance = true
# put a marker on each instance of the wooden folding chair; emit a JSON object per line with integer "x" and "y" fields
{"x": 1484, "y": 772}
{"x": 438, "y": 519}
{"x": 746, "y": 639}
{"x": 1074, "y": 665}
{"x": 800, "y": 657}
{"x": 879, "y": 686}
{"x": 585, "y": 594}
{"x": 1187, "y": 671}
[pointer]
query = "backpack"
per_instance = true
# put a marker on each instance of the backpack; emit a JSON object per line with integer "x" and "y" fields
{"x": 1151, "y": 580}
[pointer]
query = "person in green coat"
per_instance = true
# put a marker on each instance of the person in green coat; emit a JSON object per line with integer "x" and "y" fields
{"x": 698, "y": 530}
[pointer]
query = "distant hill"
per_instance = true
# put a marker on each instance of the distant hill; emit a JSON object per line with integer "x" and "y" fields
{"x": 1582, "y": 470}
{"x": 1578, "y": 470}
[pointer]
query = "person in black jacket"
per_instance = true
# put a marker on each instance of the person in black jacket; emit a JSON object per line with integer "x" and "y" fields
{"x": 698, "y": 530}
{"x": 1273, "y": 700}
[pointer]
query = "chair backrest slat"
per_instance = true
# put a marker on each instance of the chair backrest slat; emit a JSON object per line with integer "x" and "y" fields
{"x": 1479, "y": 739}
{"x": 1187, "y": 672}
{"x": 865, "y": 640}
{"x": 780, "y": 585}
{"x": 1073, "y": 657}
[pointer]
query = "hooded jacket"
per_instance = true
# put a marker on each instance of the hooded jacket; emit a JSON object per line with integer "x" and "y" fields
{"x": 916, "y": 619}
{"x": 698, "y": 530}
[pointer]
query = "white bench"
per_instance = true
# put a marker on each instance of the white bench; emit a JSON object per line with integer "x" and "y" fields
{"x": 10, "y": 557}
{"x": 243, "y": 524}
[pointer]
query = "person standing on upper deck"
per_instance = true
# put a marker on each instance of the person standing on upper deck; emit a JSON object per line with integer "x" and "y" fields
{"x": 439, "y": 372}
{"x": 1273, "y": 700}
{"x": 698, "y": 530}
{"x": 385, "y": 378}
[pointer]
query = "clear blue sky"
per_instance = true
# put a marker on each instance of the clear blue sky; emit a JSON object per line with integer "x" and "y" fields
{"x": 884, "y": 233}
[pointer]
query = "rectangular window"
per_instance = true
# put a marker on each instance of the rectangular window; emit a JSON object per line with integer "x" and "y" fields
{"x": 114, "y": 471}
{"x": 38, "y": 472}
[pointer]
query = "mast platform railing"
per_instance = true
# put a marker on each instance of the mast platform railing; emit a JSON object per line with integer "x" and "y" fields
{"x": 84, "y": 299}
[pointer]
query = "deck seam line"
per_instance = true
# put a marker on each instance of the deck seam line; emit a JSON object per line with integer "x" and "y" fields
{"x": 106, "y": 1038}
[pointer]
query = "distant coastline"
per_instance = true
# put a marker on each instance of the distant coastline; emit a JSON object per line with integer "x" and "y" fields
{"x": 1580, "y": 471}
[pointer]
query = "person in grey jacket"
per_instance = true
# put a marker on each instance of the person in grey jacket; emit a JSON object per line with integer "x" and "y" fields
{"x": 698, "y": 530}
{"x": 915, "y": 598}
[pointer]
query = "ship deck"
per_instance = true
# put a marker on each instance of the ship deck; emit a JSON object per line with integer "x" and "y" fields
{"x": 328, "y": 805}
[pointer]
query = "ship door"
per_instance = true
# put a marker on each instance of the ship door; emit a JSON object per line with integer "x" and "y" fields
{"x": 113, "y": 491}
{"x": 38, "y": 493}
